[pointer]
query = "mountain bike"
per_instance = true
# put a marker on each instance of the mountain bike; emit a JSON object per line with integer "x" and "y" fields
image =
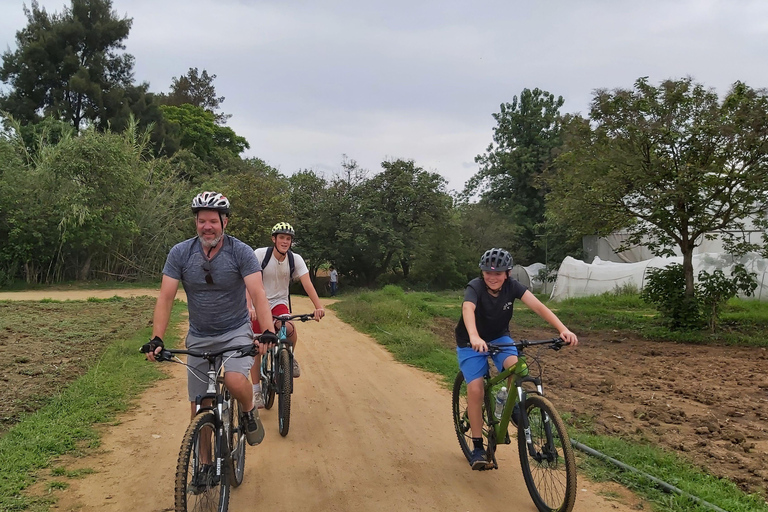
{"x": 277, "y": 373}
{"x": 546, "y": 455}
{"x": 212, "y": 455}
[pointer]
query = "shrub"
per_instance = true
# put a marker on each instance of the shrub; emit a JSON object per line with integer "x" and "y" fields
{"x": 665, "y": 289}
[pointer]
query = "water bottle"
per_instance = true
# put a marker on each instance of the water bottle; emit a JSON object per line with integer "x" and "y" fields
{"x": 501, "y": 400}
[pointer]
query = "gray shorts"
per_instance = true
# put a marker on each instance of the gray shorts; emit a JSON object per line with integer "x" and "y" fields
{"x": 197, "y": 382}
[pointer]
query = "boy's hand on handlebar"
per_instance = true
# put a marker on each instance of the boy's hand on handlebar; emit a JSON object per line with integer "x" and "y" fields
{"x": 153, "y": 348}
{"x": 478, "y": 344}
{"x": 570, "y": 338}
{"x": 319, "y": 313}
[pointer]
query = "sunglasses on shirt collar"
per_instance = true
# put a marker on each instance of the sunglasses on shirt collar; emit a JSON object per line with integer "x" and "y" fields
{"x": 207, "y": 269}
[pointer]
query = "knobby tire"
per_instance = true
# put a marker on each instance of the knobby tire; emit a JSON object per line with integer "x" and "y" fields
{"x": 268, "y": 382}
{"x": 212, "y": 495}
{"x": 236, "y": 441}
{"x": 461, "y": 417}
{"x": 550, "y": 474}
{"x": 284, "y": 391}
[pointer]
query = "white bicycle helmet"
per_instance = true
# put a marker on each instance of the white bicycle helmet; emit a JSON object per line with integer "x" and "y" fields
{"x": 210, "y": 201}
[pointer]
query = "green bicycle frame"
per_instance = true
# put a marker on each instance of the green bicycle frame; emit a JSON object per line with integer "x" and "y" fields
{"x": 520, "y": 371}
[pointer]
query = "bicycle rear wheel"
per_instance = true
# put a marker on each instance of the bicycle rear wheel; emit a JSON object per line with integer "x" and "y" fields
{"x": 461, "y": 420}
{"x": 548, "y": 464}
{"x": 268, "y": 379}
{"x": 236, "y": 440}
{"x": 284, "y": 391}
{"x": 198, "y": 487}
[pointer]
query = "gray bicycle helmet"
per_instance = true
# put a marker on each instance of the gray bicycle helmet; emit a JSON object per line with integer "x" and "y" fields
{"x": 210, "y": 201}
{"x": 495, "y": 260}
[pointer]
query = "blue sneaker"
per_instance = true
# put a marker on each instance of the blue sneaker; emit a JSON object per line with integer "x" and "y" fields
{"x": 478, "y": 459}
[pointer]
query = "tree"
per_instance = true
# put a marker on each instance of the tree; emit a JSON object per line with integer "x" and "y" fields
{"x": 314, "y": 226}
{"x": 524, "y": 141}
{"x": 672, "y": 163}
{"x": 199, "y": 132}
{"x": 67, "y": 65}
{"x": 379, "y": 218}
{"x": 197, "y": 89}
{"x": 259, "y": 195}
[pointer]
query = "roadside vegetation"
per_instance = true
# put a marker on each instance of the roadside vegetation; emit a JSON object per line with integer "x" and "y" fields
{"x": 417, "y": 328}
{"x": 68, "y": 406}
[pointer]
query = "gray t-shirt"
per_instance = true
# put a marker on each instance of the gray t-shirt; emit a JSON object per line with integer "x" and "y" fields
{"x": 221, "y": 306}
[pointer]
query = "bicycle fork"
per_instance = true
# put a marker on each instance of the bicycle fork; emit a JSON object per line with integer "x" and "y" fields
{"x": 548, "y": 451}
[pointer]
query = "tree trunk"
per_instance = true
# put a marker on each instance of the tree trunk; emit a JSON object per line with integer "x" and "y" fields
{"x": 688, "y": 269}
{"x": 86, "y": 269}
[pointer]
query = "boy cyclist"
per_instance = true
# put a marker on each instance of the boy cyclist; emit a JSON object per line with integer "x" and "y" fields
{"x": 280, "y": 266}
{"x": 485, "y": 316}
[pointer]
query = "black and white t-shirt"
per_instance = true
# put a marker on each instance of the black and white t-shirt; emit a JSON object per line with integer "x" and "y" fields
{"x": 492, "y": 314}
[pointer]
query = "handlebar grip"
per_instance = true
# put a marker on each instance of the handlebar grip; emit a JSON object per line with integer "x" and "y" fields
{"x": 164, "y": 355}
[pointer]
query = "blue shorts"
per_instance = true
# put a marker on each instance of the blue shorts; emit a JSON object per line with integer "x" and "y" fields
{"x": 474, "y": 365}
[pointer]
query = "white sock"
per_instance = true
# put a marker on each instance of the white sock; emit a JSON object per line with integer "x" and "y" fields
{"x": 257, "y": 388}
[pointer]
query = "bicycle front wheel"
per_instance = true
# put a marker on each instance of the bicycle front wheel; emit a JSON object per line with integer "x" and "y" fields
{"x": 268, "y": 379}
{"x": 284, "y": 391}
{"x": 236, "y": 441}
{"x": 547, "y": 460}
{"x": 198, "y": 486}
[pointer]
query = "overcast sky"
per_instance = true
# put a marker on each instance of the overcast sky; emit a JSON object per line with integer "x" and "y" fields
{"x": 309, "y": 81}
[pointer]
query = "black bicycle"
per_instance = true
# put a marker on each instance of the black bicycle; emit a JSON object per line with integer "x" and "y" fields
{"x": 546, "y": 455}
{"x": 277, "y": 373}
{"x": 212, "y": 455}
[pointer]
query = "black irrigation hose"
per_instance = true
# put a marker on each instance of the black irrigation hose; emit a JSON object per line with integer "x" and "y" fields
{"x": 664, "y": 485}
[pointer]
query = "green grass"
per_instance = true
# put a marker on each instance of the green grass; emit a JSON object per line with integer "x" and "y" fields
{"x": 66, "y": 424}
{"x": 667, "y": 467}
{"x": 18, "y": 286}
{"x": 403, "y": 322}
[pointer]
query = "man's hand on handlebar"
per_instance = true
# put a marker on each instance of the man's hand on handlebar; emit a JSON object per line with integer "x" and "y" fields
{"x": 153, "y": 348}
{"x": 319, "y": 313}
{"x": 265, "y": 341}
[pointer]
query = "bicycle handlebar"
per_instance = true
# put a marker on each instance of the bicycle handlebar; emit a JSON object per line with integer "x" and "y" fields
{"x": 554, "y": 343}
{"x": 304, "y": 317}
{"x": 242, "y": 350}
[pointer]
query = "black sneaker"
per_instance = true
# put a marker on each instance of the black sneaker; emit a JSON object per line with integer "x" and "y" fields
{"x": 254, "y": 430}
{"x": 203, "y": 479}
{"x": 478, "y": 459}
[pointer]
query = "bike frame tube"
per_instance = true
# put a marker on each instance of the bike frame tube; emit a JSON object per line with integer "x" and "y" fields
{"x": 500, "y": 427}
{"x": 282, "y": 344}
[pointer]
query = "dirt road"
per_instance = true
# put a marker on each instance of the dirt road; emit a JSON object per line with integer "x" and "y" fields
{"x": 367, "y": 434}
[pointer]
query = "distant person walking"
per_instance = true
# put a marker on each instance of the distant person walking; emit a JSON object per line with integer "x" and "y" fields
{"x": 334, "y": 281}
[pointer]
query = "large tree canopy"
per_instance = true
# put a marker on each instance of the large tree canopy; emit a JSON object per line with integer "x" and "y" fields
{"x": 68, "y": 65}
{"x": 524, "y": 141}
{"x": 671, "y": 163}
{"x": 199, "y": 133}
{"x": 197, "y": 89}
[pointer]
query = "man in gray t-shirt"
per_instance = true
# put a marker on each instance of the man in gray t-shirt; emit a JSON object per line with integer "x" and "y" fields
{"x": 215, "y": 270}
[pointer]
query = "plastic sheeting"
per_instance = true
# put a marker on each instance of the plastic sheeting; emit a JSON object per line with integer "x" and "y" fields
{"x": 529, "y": 276}
{"x": 576, "y": 278}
